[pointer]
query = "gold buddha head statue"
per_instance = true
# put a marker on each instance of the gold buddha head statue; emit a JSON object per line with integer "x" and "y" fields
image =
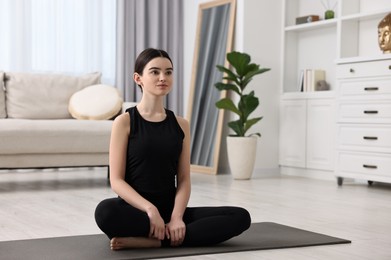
{"x": 384, "y": 34}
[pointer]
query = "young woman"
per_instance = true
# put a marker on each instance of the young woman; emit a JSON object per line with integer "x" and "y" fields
{"x": 150, "y": 172}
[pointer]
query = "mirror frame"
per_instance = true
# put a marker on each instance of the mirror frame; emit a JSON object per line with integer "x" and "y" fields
{"x": 229, "y": 42}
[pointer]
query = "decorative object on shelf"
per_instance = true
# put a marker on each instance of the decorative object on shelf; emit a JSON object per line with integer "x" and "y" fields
{"x": 384, "y": 31}
{"x": 241, "y": 147}
{"x": 307, "y": 19}
{"x": 329, "y": 13}
{"x": 322, "y": 85}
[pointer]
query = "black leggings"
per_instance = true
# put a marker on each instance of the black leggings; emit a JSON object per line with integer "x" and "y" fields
{"x": 204, "y": 225}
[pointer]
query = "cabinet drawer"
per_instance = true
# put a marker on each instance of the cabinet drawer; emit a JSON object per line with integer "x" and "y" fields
{"x": 364, "y": 112}
{"x": 365, "y": 138}
{"x": 364, "y": 69}
{"x": 368, "y": 164}
{"x": 379, "y": 89}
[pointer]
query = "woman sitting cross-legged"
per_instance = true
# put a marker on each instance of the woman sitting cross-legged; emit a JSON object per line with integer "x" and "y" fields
{"x": 150, "y": 172}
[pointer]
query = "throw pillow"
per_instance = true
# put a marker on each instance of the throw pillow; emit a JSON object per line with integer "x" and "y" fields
{"x": 97, "y": 102}
{"x": 43, "y": 96}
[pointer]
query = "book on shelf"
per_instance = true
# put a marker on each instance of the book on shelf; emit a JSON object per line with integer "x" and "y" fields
{"x": 308, "y": 78}
{"x": 301, "y": 81}
{"x": 307, "y": 19}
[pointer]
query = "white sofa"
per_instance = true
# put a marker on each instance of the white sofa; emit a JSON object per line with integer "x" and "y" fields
{"x": 36, "y": 128}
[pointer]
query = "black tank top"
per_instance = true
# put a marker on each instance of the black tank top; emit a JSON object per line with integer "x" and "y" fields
{"x": 153, "y": 153}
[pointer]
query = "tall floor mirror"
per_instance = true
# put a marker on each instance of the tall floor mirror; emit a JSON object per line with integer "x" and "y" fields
{"x": 214, "y": 37}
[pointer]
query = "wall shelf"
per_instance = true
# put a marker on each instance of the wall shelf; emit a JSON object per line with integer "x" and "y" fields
{"x": 363, "y": 58}
{"x": 311, "y": 26}
{"x": 367, "y": 15}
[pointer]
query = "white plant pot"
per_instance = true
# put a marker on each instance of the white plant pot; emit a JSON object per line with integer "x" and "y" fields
{"x": 241, "y": 156}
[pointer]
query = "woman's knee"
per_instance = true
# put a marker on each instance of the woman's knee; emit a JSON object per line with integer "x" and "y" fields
{"x": 243, "y": 218}
{"x": 117, "y": 218}
{"x": 104, "y": 212}
{"x": 247, "y": 218}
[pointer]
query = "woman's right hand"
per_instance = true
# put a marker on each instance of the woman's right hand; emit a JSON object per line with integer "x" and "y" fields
{"x": 157, "y": 227}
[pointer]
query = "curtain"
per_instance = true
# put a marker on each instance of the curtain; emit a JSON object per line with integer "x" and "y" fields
{"x": 149, "y": 23}
{"x": 59, "y": 36}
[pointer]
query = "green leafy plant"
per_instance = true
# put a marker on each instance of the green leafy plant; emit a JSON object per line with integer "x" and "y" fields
{"x": 237, "y": 78}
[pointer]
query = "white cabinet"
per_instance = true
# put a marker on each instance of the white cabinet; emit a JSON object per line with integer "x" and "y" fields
{"x": 293, "y": 132}
{"x": 307, "y": 133}
{"x": 364, "y": 121}
{"x": 320, "y": 134}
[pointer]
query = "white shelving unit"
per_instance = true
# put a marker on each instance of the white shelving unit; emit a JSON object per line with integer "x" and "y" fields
{"x": 350, "y": 37}
{"x": 311, "y": 45}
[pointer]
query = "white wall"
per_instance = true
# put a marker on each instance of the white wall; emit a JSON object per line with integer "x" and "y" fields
{"x": 257, "y": 32}
{"x": 262, "y": 40}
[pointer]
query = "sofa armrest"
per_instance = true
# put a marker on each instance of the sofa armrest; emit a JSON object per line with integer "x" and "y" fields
{"x": 126, "y": 105}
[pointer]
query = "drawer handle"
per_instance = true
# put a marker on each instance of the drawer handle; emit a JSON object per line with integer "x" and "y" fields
{"x": 371, "y": 89}
{"x": 370, "y": 137}
{"x": 369, "y": 166}
{"x": 351, "y": 70}
{"x": 370, "y": 112}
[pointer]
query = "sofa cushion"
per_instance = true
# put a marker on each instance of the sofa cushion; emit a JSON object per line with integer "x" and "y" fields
{"x": 24, "y": 136}
{"x": 43, "y": 96}
{"x": 45, "y": 160}
{"x": 97, "y": 102}
{"x": 2, "y": 96}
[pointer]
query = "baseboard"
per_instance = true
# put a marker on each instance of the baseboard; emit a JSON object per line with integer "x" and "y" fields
{"x": 260, "y": 172}
{"x": 266, "y": 172}
{"x": 308, "y": 173}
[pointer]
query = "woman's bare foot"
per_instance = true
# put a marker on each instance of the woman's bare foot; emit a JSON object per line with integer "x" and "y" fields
{"x": 118, "y": 243}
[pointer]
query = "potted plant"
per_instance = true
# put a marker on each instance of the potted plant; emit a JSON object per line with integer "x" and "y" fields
{"x": 241, "y": 146}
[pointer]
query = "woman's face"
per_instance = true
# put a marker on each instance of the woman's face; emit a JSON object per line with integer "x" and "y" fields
{"x": 385, "y": 39}
{"x": 157, "y": 77}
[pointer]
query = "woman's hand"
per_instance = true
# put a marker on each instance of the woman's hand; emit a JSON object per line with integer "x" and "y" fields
{"x": 157, "y": 224}
{"x": 175, "y": 231}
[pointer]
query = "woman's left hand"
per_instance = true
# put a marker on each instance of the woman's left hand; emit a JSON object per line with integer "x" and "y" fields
{"x": 175, "y": 231}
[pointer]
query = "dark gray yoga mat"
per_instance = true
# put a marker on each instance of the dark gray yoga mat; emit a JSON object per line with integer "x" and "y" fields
{"x": 260, "y": 236}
